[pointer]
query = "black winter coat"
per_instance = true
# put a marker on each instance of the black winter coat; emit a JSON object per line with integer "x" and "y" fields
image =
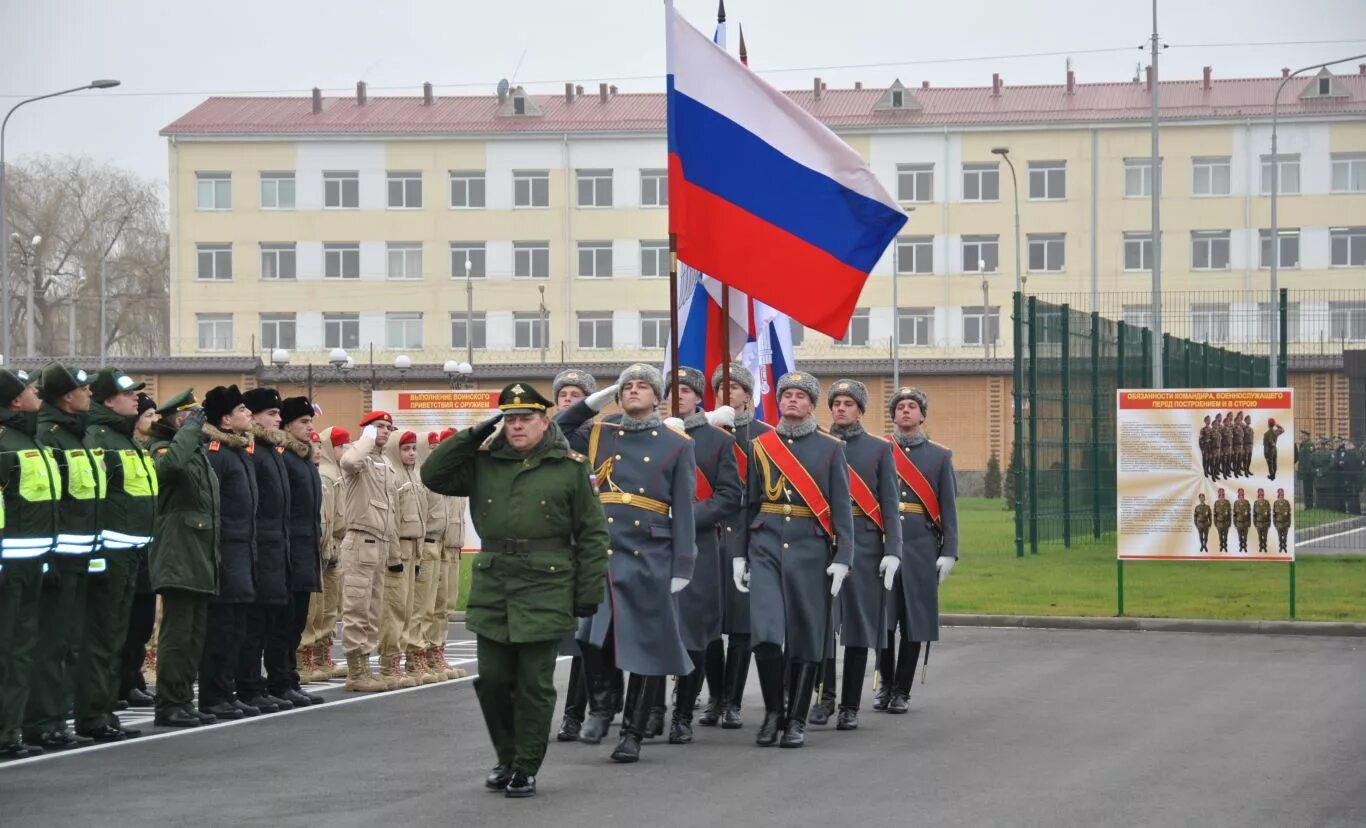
{"x": 237, "y": 497}
{"x": 272, "y": 517}
{"x": 305, "y": 517}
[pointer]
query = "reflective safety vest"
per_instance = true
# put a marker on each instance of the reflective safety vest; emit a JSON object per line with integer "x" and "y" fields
{"x": 38, "y": 476}
{"x": 139, "y": 480}
{"x": 85, "y": 480}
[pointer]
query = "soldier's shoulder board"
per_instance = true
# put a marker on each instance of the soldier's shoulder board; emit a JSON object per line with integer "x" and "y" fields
{"x": 162, "y": 451}
{"x": 576, "y": 457}
{"x": 827, "y": 435}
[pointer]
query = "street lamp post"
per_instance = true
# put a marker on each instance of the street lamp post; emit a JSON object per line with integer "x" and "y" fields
{"x": 896, "y": 321}
{"x": 1004, "y": 152}
{"x": 104, "y": 293}
{"x": 544, "y": 329}
{"x": 29, "y": 254}
{"x": 4, "y": 219}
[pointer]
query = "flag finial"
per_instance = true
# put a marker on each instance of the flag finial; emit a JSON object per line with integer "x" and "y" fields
{"x": 744, "y": 53}
{"x": 721, "y": 11}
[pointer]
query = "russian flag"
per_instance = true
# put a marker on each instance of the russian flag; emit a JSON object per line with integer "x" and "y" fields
{"x": 763, "y": 196}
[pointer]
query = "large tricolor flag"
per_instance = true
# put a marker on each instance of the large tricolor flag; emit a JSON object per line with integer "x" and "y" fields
{"x": 763, "y": 196}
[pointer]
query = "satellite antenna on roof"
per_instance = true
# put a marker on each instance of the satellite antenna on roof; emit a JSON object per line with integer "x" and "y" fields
{"x": 503, "y": 87}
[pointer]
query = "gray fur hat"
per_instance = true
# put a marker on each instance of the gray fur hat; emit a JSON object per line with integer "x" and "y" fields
{"x": 692, "y": 378}
{"x": 804, "y": 381}
{"x": 910, "y": 392}
{"x": 853, "y": 389}
{"x": 642, "y": 371}
{"x": 573, "y": 376}
{"x": 738, "y": 373}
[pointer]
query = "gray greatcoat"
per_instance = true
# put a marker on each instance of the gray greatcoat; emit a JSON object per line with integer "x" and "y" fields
{"x": 647, "y": 549}
{"x": 700, "y": 604}
{"x": 575, "y": 423}
{"x": 863, "y": 594}
{"x": 735, "y": 534}
{"x": 789, "y": 592}
{"x": 917, "y": 582}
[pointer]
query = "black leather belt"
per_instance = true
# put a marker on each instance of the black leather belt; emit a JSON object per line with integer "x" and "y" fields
{"x": 521, "y": 546}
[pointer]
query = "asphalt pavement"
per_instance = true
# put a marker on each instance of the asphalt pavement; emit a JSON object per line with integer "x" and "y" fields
{"x": 1021, "y": 727}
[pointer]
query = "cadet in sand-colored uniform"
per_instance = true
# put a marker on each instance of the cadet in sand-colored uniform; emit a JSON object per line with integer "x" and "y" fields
{"x": 1223, "y": 519}
{"x": 1261, "y": 518}
{"x": 1242, "y": 519}
{"x": 1203, "y": 518}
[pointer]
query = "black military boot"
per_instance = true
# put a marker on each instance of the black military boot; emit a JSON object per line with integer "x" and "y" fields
{"x": 638, "y": 694}
{"x": 686, "y": 690}
{"x": 823, "y": 710}
{"x": 803, "y": 683}
{"x": 886, "y": 670}
{"x": 851, "y": 689}
{"x": 654, "y": 721}
{"x": 598, "y": 677}
{"x": 714, "y": 662}
{"x": 735, "y": 676}
{"x": 575, "y": 702}
{"x": 905, "y": 677}
{"x": 771, "y": 685}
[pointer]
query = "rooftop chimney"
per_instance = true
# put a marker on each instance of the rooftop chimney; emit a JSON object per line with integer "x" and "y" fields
{"x": 1207, "y": 84}
{"x": 568, "y": 92}
{"x": 317, "y": 101}
{"x": 858, "y": 85}
{"x": 1071, "y": 82}
{"x": 1148, "y": 74}
{"x": 602, "y": 92}
{"x": 924, "y": 84}
{"x": 1285, "y": 71}
{"x": 995, "y": 84}
{"x": 612, "y": 90}
{"x": 578, "y": 91}
{"x": 427, "y": 97}
{"x": 360, "y": 93}
{"x": 816, "y": 88}
{"x": 1361, "y": 68}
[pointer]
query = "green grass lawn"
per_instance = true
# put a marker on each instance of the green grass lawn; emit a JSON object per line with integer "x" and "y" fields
{"x": 1081, "y": 580}
{"x": 1309, "y": 518}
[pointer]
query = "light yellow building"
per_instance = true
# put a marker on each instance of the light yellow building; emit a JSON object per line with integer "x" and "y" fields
{"x": 310, "y": 224}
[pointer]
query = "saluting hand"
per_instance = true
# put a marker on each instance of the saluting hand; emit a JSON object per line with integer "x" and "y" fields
{"x": 598, "y": 400}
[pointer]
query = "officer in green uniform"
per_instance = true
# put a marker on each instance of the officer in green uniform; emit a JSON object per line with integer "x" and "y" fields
{"x": 1242, "y": 519}
{"x": 543, "y": 562}
{"x": 28, "y": 516}
{"x": 1261, "y": 518}
{"x": 1202, "y": 522}
{"x": 62, "y": 419}
{"x": 1223, "y": 518}
{"x": 1281, "y": 511}
{"x": 1206, "y": 435}
{"x": 1273, "y": 433}
{"x": 1304, "y": 469}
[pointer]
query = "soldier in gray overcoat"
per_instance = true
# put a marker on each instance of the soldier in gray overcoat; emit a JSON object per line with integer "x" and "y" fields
{"x": 929, "y": 547}
{"x": 646, "y": 478}
{"x": 798, "y": 559}
{"x": 862, "y": 602}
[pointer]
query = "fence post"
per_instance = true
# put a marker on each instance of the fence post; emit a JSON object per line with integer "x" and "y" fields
{"x": 1017, "y": 382}
{"x": 1186, "y": 347}
{"x": 1167, "y": 359}
{"x": 1095, "y": 424}
{"x": 1033, "y": 425}
{"x": 1066, "y": 426}
{"x": 1283, "y": 367}
{"x": 1147, "y": 349}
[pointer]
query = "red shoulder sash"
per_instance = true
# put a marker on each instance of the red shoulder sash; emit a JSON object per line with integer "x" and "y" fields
{"x": 773, "y": 446}
{"x": 914, "y": 478}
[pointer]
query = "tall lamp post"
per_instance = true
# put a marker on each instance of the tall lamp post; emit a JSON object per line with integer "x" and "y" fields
{"x": 1004, "y": 152}
{"x": 104, "y": 293}
{"x": 544, "y": 329}
{"x": 29, "y": 253}
{"x": 896, "y": 320}
{"x": 4, "y": 219}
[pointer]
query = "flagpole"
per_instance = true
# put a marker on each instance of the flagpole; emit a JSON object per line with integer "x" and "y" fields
{"x": 725, "y": 344}
{"x": 673, "y": 323}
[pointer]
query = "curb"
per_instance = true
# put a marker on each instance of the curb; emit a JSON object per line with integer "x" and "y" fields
{"x": 1195, "y": 625}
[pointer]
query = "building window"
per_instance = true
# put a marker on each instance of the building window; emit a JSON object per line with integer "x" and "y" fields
{"x": 981, "y": 182}
{"x": 654, "y": 329}
{"x": 341, "y": 261}
{"x": 531, "y": 260}
{"x": 403, "y": 330}
{"x": 278, "y": 331}
{"x": 529, "y": 330}
{"x": 595, "y": 260}
{"x": 474, "y": 252}
{"x": 979, "y": 322}
{"x": 1138, "y": 316}
{"x": 1288, "y": 246}
{"x": 1047, "y": 252}
{"x": 595, "y": 188}
{"x": 341, "y": 330}
{"x": 214, "y": 262}
{"x": 1047, "y": 180}
{"x": 857, "y": 334}
{"x": 279, "y": 261}
{"x": 654, "y": 188}
{"x": 1209, "y": 249}
{"x": 460, "y": 324}
{"x": 915, "y": 182}
{"x": 467, "y": 189}
{"x": 277, "y": 191}
{"x": 915, "y": 326}
{"x": 1349, "y": 172}
{"x": 1289, "y": 183}
{"x": 1347, "y": 321}
{"x": 215, "y": 331}
{"x": 531, "y": 188}
{"x": 798, "y": 333}
{"x": 1209, "y": 323}
{"x": 654, "y": 259}
{"x": 405, "y": 260}
{"x": 981, "y": 254}
{"x": 595, "y": 329}
{"x": 405, "y": 190}
{"x": 341, "y": 190}
{"x": 1348, "y": 245}
{"x": 915, "y": 254}
{"x": 1269, "y": 320}
{"x": 1138, "y": 177}
{"x": 1138, "y": 251}
{"x": 1210, "y": 176}
{"x": 213, "y": 190}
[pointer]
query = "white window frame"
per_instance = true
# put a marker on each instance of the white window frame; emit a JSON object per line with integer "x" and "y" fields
{"x": 594, "y": 260}
{"x": 914, "y": 255}
{"x": 1347, "y": 321}
{"x": 278, "y": 323}
{"x": 1269, "y": 319}
{"x": 1210, "y": 322}
{"x": 654, "y": 259}
{"x": 1052, "y": 176}
{"x": 654, "y": 330}
{"x": 1140, "y": 171}
{"x": 1351, "y": 241}
{"x": 529, "y": 257}
{"x": 598, "y": 327}
{"x": 915, "y": 183}
{"x": 915, "y": 327}
{"x": 1046, "y": 241}
{"x": 343, "y": 259}
{"x": 975, "y": 249}
{"x": 478, "y": 256}
{"x": 472, "y": 186}
{"x": 1142, "y": 243}
{"x": 527, "y": 185}
{"x": 341, "y": 190}
{"x": 1289, "y": 165}
{"x": 988, "y": 318}
{"x": 478, "y": 320}
{"x": 280, "y": 259}
{"x": 1137, "y": 316}
{"x": 1348, "y": 172}
{"x": 1286, "y": 235}
{"x": 274, "y": 184}
{"x": 982, "y": 172}
{"x": 218, "y": 326}
{"x": 1210, "y": 240}
{"x": 858, "y": 334}
{"x": 409, "y": 190}
{"x": 219, "y": 260}
{"x": 593, "y": 188}
{"x": 217, "y": 186}
{"x": 408, "y": 258}
{"x": 1213, "y": 174}
{"x": 341, "y": 323}
{"x": 529, "y": 328}
{"x": 654, "y": 188}
{"x": 403, "y": 330}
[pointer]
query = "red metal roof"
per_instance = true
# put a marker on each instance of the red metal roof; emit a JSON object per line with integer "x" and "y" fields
{"x": 838, "y": 108}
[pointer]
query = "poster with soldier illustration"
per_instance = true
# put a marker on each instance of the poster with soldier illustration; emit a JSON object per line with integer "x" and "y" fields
{"x": 1205, "y": 474}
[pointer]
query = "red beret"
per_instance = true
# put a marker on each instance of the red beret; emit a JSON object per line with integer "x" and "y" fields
{"x": 374, "y": 417}
{"x": 433, "y": 438}
{"x": 340, "y": 436}
{"x": 315, "y": 437}
{"x": 447, "y": 434}
{"x": 408, "y": 437}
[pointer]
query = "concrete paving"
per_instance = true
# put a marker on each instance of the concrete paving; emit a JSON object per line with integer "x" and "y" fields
{"x": 1015, "y": 727}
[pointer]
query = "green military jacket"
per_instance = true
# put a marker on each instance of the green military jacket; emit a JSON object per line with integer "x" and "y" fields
{"x": 1202, "y": 516}
{"x": 130, "y": 504}
{"x": 1261, "y": 513}
{"x": 1223, "y": 513}
{"x": 544, "y": 497}
{"x": 31, "y": 484}
{"x": 185, "y": 539}
{"x": 1242, "y": 513}
{"x": 1281, "y": 511}
{"x": 83, "y": 479}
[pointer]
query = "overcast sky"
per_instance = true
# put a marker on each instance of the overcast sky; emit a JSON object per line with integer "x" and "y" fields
{"x": 171, "y": 54}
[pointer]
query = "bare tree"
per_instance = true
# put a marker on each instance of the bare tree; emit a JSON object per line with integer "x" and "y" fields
{"x": 78, "y": 206}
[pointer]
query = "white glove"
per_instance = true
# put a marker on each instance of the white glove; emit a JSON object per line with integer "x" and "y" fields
{"x": 676, "y": 424}
{"x": 723, "y": 416}
{"x": 598, "y": 400}
{"x": 739, "y": 569}
{"x": 676, "y": 585}
{"x": 370, "y": 433}
{"x": 944, "y": 566}
{"x": 837, "y": 572}
{"x": 887, "y": 568}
